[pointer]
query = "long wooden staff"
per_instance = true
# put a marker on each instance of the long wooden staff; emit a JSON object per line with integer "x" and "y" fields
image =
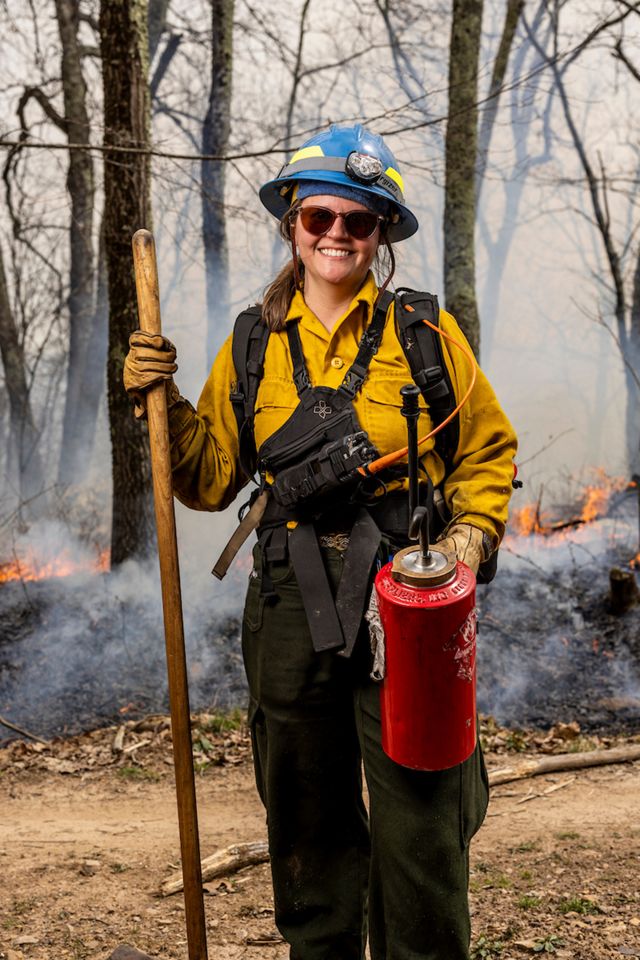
{"x": 146, "y": 271}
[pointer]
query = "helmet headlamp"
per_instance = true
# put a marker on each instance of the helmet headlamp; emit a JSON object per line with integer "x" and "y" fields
{"x": 363, "y": 167}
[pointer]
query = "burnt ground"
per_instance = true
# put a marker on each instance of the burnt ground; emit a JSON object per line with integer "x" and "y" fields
{"x": 77, "y": 653}
{"x": 80, "y": 652}
{"x": 549, "y": 646}
{"x": 549, "y": 649}
{"x": 89, "y": 831}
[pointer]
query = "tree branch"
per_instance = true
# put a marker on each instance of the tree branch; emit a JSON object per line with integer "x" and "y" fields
{"x": 35, "y": 93}
{"x": 619, "y": 54}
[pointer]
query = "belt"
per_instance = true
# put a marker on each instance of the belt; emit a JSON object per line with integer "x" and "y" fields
{"x": 336, "y": 541}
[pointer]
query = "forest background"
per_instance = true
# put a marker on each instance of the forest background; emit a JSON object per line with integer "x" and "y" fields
{"x": 515, "y": 129}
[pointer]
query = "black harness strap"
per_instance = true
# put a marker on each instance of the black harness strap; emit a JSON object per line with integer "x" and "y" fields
{"x": 354, "y": 583}
{"x": 300, "y": 375}
{"x": 315, "y": 589}
{"x": 367, "y": 348}
{"x": 248, "y": 347}
{"x": 423, "y": 349}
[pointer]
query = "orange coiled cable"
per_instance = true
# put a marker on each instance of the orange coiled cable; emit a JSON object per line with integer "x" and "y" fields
{"x": 377, "y": 465}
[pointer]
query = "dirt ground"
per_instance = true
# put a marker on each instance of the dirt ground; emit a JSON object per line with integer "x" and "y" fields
{"x": 88, "y": 832}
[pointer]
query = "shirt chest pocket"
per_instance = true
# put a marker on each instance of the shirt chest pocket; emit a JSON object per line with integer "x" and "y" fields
{"x": 276, "y": 401}
{"x": 379, "y": 411}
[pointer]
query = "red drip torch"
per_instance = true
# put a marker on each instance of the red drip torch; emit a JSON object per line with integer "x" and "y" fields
{"x": 428, "y": 612}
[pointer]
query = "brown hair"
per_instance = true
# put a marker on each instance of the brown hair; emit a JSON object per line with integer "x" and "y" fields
{"x": 279, "y": 294}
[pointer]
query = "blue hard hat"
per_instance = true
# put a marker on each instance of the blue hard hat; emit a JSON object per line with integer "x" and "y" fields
{"x": 349, "y": 156}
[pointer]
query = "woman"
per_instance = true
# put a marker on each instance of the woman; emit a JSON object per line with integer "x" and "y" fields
{"x": 333, "y": 353}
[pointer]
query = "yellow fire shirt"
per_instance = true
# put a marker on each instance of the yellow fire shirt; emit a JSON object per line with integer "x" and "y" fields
{"x": 204, "y": 442}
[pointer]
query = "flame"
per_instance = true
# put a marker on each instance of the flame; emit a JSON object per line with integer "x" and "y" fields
{"x": 594, "y": 503}
{"x": 596, "y": 496}
{"x": 29, "y": 567}
{"x": 527, "y": 520}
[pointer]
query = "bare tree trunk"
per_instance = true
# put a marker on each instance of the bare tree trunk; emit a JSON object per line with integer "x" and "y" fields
{"x": 633, "y": 404}
{"x": 509, "y": 27}
{"x": 157, "y": 22}
{"x": 460, "y": 174}
{"x": 78, "y": 430}
{"x": 94, "y": 379}
{"x": 215, "y": 136}
{"x": 24, "y": 435}
{"x": 123, "y": 32}
{"x": 627, "y": 333}
{"x": 523, "y": 109}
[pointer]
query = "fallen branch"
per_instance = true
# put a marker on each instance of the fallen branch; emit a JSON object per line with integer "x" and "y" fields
{"x": 25, "y": 733}
{"x": 564, "y": 761}
{"x": 118, "y": 740}
{"x": 222, "y": 862}
{"x": 549, "y": 790}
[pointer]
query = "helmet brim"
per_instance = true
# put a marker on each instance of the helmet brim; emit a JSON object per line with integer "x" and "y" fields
{"x": 271, "y": 197}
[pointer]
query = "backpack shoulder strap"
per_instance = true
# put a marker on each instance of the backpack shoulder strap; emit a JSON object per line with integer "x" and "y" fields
{"x": 423, "y": 349}
{"x": 248, "y": 348}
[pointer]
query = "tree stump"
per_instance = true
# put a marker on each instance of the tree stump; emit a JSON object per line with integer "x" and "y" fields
{"x": 624, "y": 592}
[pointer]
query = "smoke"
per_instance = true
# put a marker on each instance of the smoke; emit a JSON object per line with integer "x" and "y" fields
{"x": 76, "y": 650}
{"x": 549, "y": 648}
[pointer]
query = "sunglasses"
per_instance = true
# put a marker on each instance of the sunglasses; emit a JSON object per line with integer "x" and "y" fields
{"x": 359, "y": 224}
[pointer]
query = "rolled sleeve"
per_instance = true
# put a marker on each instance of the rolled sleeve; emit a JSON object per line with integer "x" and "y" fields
{"x": 478, "y": 487}
{"x": 204, "y": 442}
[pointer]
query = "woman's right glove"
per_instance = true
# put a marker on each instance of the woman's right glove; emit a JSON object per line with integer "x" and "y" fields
{"x": 151, "y": 358}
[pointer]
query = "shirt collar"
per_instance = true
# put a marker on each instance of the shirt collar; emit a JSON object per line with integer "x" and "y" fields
{"x": 298, "y": 309}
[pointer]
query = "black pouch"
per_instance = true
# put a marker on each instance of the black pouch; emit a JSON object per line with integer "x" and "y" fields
{"x": 317, "y": 451}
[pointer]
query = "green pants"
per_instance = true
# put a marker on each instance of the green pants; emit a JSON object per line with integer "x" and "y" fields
{"x": 402, "y": 871}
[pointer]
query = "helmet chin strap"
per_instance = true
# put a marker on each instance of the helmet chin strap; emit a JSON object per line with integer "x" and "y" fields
{"x": 387, "y": 281}
{"x": 294, "y": 254}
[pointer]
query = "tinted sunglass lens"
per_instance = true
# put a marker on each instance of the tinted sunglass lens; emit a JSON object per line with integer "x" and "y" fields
{"x": 360, "y": 224}
{"x": 316, "y": 220}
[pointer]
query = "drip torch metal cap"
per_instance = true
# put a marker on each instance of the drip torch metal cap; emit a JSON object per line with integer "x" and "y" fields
{"x": 410, "y": 568}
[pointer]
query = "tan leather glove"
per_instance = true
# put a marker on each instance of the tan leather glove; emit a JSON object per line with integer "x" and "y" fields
{"x": 151, "y": 358}
{"x": 466, "y": 543}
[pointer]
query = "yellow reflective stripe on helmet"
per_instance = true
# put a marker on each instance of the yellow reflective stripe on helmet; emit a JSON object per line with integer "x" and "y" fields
{"x": 305, "y": 153}
{"x": 395, "y": 176}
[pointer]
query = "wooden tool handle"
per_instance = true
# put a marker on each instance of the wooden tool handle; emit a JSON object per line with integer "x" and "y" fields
{"x": 146, "y": 272}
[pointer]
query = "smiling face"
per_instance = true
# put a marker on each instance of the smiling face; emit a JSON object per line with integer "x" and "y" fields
{"x": 335, "y": 259}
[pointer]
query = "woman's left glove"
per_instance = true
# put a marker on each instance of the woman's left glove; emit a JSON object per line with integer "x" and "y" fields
{"x": 465, "y": 542}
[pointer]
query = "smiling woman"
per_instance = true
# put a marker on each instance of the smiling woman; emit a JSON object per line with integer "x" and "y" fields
{"x": 337, "y": 242}
{"x": 306, "y": 393}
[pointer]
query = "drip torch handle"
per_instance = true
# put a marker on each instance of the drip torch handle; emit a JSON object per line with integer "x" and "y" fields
{"x": 419, "y": 530}
{"x": 410, "y": 411}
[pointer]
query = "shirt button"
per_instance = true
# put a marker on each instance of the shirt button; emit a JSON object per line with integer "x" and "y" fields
{"x": 337, "y": 362}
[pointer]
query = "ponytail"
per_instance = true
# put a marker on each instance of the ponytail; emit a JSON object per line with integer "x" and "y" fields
{"x": 277, "y": 298}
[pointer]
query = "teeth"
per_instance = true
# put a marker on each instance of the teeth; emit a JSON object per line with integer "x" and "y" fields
{"x": 328, "y": 252}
